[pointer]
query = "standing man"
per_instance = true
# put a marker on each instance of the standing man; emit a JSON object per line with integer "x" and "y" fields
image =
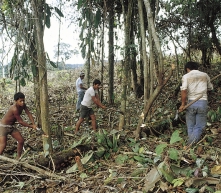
{"x": 7, "y": 124}
{"x": 80, "y": 90}
{"x": 195, "y": 83}
{"x": 90, "y": 97}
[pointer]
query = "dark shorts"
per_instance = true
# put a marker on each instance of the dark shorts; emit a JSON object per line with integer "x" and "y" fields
{"x": 7, "y": 129}
{"x": 85, "y": 111}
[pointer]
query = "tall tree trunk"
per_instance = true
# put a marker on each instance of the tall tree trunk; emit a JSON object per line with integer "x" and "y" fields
{"x": 136, "y": 88}
{"x": 36, "y": 78}
{"x": 144, "y": 51}
{"x": 156, "y": 40}
{"x": 88, "y": 64}
{"x": 38, "y": 11}
{"x": 111, "y": 54}
{"x": 102, "y": 61}
{"x": 214, "y": 38}
{"x": 127, "y": 29}
{"x": 159, "y": 71}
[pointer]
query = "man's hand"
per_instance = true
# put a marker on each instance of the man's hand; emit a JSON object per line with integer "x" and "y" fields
{"x": 34, "y": 126}
{"x": 181, "y": 108}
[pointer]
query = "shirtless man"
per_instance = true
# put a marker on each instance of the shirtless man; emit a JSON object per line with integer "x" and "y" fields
{"x": 8, "y": 121}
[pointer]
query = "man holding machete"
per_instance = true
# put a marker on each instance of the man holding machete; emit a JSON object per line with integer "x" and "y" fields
{"x": 195, "y": 83}
{"x": 90, "y": 97}
{"x": 7, "y": 123}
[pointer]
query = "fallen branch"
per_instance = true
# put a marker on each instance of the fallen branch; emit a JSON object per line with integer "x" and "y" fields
{"x": 39, "y": 170}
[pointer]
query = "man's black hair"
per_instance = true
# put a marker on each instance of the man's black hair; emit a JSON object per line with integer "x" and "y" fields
{"x": 19, "y": 95}
{"x": 96, "y": 81}
{"x": 191, "y": 65}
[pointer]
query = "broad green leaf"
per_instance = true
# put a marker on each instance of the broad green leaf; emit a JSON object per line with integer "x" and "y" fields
{"x": 34, "y": 70}
{"x": 140, "y": 159}
{"x": 87, "y": 157}
{"x": 22, "y": 82}
{"x": 120, "y": 159}
{"x": 167, "y": 174}
{"x": 97, "y": 18}
{"x": 53, "y": 64}
{"x": 78, "y": 142}
{"x": 184, "y": 171}
{"x": 159, "y": 149}
{"x": 192, "y": 190}
{"x": 175, "y": 137}
{"x": 83, "y": 175}
{"x": 48, "y": 9}
{"x": 173, "y": 154}
{"x": 47, "y": 21}
{"x": 84, "y": 160}
{"x": 106, "y": 155}
{"x": 178, "y": 182}
{"x": 141, "y": 150}
{"x": 120, "y": 180}
{"x": 59, "y": 12}
{"x": 136, "y": 148}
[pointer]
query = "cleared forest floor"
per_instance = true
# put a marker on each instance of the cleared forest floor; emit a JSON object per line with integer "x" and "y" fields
{"x": 112, "y": 160}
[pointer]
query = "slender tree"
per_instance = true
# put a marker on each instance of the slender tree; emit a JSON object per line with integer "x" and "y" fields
{"x": 38, "y": 13}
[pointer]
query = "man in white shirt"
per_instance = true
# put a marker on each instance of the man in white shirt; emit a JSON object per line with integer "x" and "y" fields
{"x": 90, "y": 97}
{"x": 195, "y": 83}
{"x": 80, "y": 90}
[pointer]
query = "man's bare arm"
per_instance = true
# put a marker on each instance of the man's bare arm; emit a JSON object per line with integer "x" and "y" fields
{"x": 183, "y": 99}
{"x": 82, "y": 87}
{"x": 20, "y": 120}
{"x": 30, "y": 117}
{"x": 98, "y": 102}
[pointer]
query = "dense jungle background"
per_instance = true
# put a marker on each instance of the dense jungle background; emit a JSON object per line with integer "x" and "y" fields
{"x": 137, "y": 48}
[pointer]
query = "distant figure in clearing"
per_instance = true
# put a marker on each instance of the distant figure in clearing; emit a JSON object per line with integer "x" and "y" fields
{"x": 7, "y": 124}
{"x": 80, "y": 90}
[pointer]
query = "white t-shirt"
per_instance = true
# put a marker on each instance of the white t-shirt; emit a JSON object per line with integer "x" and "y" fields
{"x": 196, "y": 83}
{"x": 79, "y": 81}
{"x": 87, "y": 100}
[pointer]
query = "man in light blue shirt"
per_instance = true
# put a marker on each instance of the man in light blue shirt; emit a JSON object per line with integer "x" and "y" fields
{"x": 80, "y": 90}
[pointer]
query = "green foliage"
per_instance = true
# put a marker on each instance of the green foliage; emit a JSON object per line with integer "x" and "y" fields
{"x": 178, "y": 182}
{"x": 192, "y": 190}
{"x": 59, "y": 12}
{"x": 214, "y": 115}
{"x": 173, "y": 153}
{"x": 120, "y": 159}
{"x": 107, "y": 142}
{"x": 140, "y": 152}
{"x": 160, "y": 148}
{"x": 168, "y": 175}
{"x": 175, "y": 137}
{"x": 47, "y": 16}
